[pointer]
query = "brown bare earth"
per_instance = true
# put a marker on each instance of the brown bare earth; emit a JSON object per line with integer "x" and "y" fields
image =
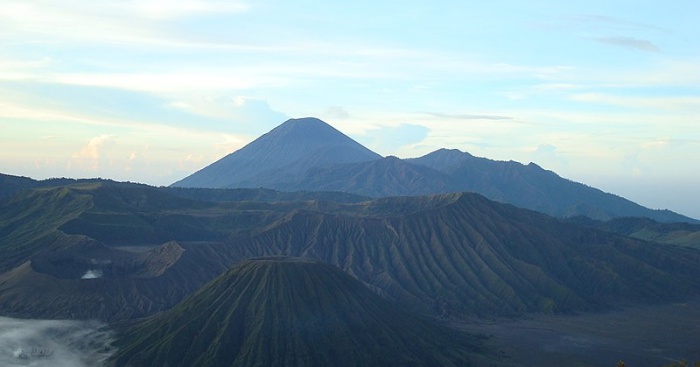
{"x": 641, "y": 336}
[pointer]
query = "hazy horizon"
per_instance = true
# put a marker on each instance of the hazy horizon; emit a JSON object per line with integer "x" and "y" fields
{"x": 151, "y": 91}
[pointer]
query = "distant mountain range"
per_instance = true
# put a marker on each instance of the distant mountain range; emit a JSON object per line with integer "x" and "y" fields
{"x": 327, "y": 254}
{"x": 11, "y": 185}
{"x": 309, "y": 155}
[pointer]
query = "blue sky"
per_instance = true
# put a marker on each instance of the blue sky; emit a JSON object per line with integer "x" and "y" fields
{"x": 602, "y": 92}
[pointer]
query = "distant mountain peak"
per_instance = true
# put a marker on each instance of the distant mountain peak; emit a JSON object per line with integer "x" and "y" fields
{"x": 310, "y": 155}
{"x": 304, "y": 121}
{"x": 306, "y": 127}
{"x": 446, "y": 151}
{"x": 281, "y": 155}
{"x": 443, "y": 159}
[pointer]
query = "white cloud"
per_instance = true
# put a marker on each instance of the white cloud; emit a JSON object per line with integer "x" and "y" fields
{"x": 659, "y": 143}
{"x": 629, "y": 42}
{"x": 547, "y": 156}
{"x": 553, "y": 87}
{"x": 165, "y": 82}
{"x": 390, "y": 139}
{"x": 675, "y": 104}
{"x": 605, "y": 23}
{"x": 674, "y": 73}
{"x": 243, "y": 114}
{"x": 90, "y": 157}
{"x": 335, "y": 112}
{"x": 164, "y": 9}
{"x": 180, "y": 74}
{"x": 113, "y": 22}
{"x": 226, "y": 145}
{"x": 33, "y": 12}
{"x": 468, "y": 116}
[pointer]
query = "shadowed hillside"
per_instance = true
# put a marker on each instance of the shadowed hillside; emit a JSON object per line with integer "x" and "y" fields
{"x": 11, "y": 185}
{"x": 262, "y": 195}
{"x": 290, "y": 312}
{"x": 461, "y": 254}
{"x": 28, "y": 222}
{"x": 389, "y": 176}
{"x": 112, "y": 251}
{"x": 453, "y": 255}
{"x": 530, "y": 186}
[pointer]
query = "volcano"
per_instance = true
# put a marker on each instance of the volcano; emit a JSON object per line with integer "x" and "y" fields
{"x": 291, "y": 312}
{"x": 281, "y": 155}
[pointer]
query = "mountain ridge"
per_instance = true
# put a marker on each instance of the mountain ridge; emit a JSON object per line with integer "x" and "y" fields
{"x": 447, "y": 255}
{"x": 522, "y": 185}
{"x": 300, "y": 165}
{"x": 492, "y": 276}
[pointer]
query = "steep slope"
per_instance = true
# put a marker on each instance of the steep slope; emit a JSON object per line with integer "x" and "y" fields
{"x": 93, "y": 281}
{"x": 289, "y": 312}
{"x": 262, "y": 195}
{"x": 308, "y": 154}
{"x": 29, "y": 221}
{"x": 113, "y": 251}
{"x": 11, "y": 185}
{"x": 280, "y": 156}
{"x": 445, "y": 255}
{"x": 462, "y": 255}
{"x": 530, "y": 186}
{"x": 383, "y": 177}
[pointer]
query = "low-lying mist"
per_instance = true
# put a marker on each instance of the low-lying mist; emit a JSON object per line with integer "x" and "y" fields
{"x": 55, "y": 343}
{"x": 92, "y": 274}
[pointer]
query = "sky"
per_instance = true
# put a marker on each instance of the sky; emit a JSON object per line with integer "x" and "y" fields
{"x": 602, "y": 92}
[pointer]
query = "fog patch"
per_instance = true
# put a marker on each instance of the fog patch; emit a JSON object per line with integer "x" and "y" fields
{"x": 54, "y": 343}
{"x": 92, "y": 274}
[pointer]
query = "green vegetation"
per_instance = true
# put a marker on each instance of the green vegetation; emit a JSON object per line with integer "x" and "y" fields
{"x": 29, "y": 223}
{"x": 290, "y": 312}
{"x": 464, "y": 255}
{"x": 682, "y": 234}
{"x": 453, "y": 255}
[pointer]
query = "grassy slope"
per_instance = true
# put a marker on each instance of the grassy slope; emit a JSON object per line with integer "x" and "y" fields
{"x": 447, "y": 255}
{"x": 682, "y": 234}
{"x": 51, "y": 236}
{"x": 274, "y": 312}
{"x": 471, "y": 256}
{"x": 29, "y": 222}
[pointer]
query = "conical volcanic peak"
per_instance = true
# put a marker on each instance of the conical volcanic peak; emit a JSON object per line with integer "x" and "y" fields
{"x": 308, "y": 129}
{"x": 309, "y": 155}
{"x": 281, "y": 155}
{"x": 290, "y": 312}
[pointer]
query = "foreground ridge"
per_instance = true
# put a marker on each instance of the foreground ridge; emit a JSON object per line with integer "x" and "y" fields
{"x": 291, "y": 312}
